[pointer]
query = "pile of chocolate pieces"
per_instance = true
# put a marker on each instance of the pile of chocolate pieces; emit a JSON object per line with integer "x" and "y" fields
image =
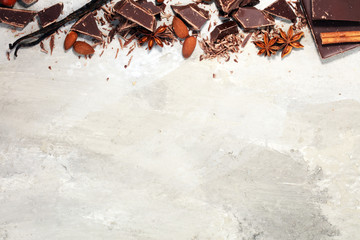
{"x": 138, "y": 20}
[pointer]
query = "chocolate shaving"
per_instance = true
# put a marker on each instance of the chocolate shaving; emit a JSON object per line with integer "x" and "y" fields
{"x": 52, "y": 44}
{"x": 221, "y": 49}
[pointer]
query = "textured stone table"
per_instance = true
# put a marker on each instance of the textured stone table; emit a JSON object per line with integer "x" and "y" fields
{"x": 264, "y": 150}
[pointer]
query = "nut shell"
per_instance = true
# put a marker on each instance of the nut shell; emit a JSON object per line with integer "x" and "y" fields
{"x": 180, "y": 28}
{"x": 188, "y": 46}
{"x": 83, "y": 48}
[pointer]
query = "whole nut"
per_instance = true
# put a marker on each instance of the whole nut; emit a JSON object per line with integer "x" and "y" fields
{"x": 180, "y": 28}
{"x": 83, "y": 48}
{"x": 70, "y": 40}
{"x": 188, "y": 46}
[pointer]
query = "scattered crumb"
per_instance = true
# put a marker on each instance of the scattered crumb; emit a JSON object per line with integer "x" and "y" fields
{"x": 8, "y": 56}
{"x": 49, "y": 67}
{"x": 52, "y": 44}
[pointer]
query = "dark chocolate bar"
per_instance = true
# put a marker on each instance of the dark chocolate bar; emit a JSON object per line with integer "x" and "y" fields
{"x": 252, "y": 18}
{"x": 135, "y": 13}
{"x": 193, "y": 15}
{"x": 16, "y": 17}
{"x": 227, "y": 5}
{"x": 223, "y": 30}
{"x": 318, "y": 27}
{"x": 282, "y": 9}
{"x": 155, "y": 10}
{"x": 343, "y": 10}
{"x": 87, "y": 25}
{"x": 49, "y": 15}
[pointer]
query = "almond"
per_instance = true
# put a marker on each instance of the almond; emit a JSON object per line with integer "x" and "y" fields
{"x": 188, "y": 46}
{"x": 70, "y": 40}
{"x": 180, "y": 28}
{"x": 83, "y": 48}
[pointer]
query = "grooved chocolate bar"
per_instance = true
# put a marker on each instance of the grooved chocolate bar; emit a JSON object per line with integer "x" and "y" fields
{"x": 340, "y": 10}
{"x": 135, "y": 13}
{"x": 318, "y": 27}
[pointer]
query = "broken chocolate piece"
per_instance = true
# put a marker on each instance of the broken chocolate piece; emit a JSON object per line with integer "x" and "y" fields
{"x": 281, "y": 9}
{"x": 251, "y": 18}
{"x": 49, "y": 15}
{"x": 135, "y": 13}
{"x": 227, "y": 5}
{"x": 15, "y": 17}
{"x": 318, "y": 27}
{"x": 249, "y": 3}
{"x": 193, "y": 15}
{"x": 87, "y": 26}
{"x": 223, "y": 30}
{"x": 151, "y": 7}
{"x": 339, "y": 10}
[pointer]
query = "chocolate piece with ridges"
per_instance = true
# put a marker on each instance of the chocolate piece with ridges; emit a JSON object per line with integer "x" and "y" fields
{"x": 49, "y": 15}
{"x": 135, "y": 13}
{"x": 282, "y": 9}
{"x": 318, "y": 27}
{"x": 151, "y": 7}
{"x": 341, "y": 10}
{"x": 252, "y": 18}
{"x": 227, "y": 5}
{"x": 87, "y": 25}
{"x": 15, "y": 17}
{"x": 193, "y": 15}
{"x": 223, "y": 30}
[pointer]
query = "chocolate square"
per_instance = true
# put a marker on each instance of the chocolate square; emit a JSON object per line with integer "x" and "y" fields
{"x": 16, "y": 17}
{"x": 49, "y": 15}
{"x": 151, "y": 7}
{"x": 224, "y": 29}
{"x": 193, "y": 15}
{"x": 318, "y": 27}
{"x": 252, "y": 18}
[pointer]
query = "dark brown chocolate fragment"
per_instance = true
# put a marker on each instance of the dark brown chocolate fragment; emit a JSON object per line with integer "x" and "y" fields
{"x": 318, "y": 27}
{"x": 249, "y": 3}
{"x": 135, "y": 13}
{"x": 341, "y": 10}
{"x": 15, "y": 17}
{"x": 125, "y": 26}
{"x": 193, "y": 15}
{"x": 50, "y": 15}
{"x": 281, "y": 9}
{"x": 223, "y": 30}
{"x": 227, "y": 6}
{"x": 251, "y": 18}
{"x": 87, "y": 25}
{"x": 151, "y": 7}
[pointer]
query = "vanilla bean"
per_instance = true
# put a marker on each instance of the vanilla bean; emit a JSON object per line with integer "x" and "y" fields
{"x": 35, "y": 38}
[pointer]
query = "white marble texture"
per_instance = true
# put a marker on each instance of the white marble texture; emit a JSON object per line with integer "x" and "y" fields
{"x": 165, "y": 151}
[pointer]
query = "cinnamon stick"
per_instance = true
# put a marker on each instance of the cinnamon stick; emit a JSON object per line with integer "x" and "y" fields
{"x": 339, "y": 37}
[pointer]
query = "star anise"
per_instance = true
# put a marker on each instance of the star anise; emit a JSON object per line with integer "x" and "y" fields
{"x": 158, "y": 37}
{"x": 267, "y": 46}
{"x": 289, "y": 41}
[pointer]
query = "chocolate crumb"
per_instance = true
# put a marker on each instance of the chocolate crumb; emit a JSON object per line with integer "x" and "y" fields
{"x": 49, "y": 67}
{"x": 117, "y": 52}
{"x": 222, "y": 48}
{"x": 8, "y": 56}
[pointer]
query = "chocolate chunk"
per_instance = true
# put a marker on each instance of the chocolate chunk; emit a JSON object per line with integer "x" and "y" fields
{"x": 151, "y": 7}
{"x": 135, "y": 13}
{"x": 227, "y": 5}
{"x": 318, "y": 27}
{"x": 281, "y": 9}
{"x": 49, "y": 15}
{"x": 251, "y": 18}
{"x": 193, "y": 15}
{"x": 15, "y": 17}
{"x": 249, "y": 3}
{"x": 125, "y": 26}
{"x": 87, "y": 25}
{"x": 223, "y": 30}
{"x": 343, "y": 10}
